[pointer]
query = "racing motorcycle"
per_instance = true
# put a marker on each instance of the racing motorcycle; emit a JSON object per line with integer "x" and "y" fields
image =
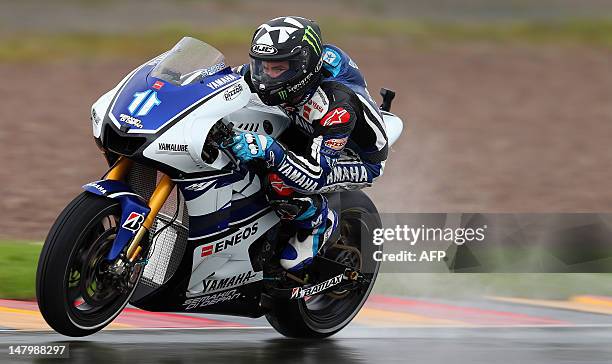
{"x": 210, "y": 245}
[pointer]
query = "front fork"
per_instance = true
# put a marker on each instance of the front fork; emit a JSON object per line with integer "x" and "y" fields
{"x": 155, "y": 203}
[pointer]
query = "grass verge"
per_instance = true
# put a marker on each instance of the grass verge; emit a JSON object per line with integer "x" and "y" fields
{"x": 18, "y": 261}
{"x": 44, "y": 47}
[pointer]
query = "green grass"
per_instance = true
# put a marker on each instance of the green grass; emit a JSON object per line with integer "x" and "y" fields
{"x": 573, "y": 31}
{"x": 36, "y": 47}
{"x": 45, "y": 47}
{"x": 18, "y": 262}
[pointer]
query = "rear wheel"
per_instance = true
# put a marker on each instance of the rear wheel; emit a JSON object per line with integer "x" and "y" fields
{"x": 323, "y": 315}
{"x": 78, "y": 290}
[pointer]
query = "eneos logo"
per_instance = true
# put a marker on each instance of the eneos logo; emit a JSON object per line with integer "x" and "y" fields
{"x": 235, "y": 239}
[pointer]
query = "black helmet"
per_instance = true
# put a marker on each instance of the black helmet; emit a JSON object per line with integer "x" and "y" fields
{"x": 293, "y": 45}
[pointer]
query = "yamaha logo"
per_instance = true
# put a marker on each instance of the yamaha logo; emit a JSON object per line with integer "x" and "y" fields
{"x": 264, "y": 49}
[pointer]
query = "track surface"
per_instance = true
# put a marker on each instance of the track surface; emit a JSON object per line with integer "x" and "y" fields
{"x": 354, "y": 345}
{"x": 389, "y": 329}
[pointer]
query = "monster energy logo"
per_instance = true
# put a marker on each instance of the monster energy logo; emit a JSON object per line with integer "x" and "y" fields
{"x": 283, "y": 94}
{"x": 313, "y": 39}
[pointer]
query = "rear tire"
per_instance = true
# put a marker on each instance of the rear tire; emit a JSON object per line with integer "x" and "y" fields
{"x": 300, "y": 318}
{"x": 73, "y": 296}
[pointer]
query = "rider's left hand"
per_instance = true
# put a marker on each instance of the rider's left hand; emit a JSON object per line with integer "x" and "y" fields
{"x": 249, "y": 146}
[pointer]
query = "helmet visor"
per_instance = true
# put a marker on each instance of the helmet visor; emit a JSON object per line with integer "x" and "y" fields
{"x": 272, "y": 74}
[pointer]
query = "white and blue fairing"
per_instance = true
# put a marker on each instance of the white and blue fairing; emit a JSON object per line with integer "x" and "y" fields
{"x": 177, "y": 98}
{"x": 173, "y": 101}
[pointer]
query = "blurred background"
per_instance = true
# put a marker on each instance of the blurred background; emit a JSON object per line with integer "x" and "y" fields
{"x": 507, "y": 106}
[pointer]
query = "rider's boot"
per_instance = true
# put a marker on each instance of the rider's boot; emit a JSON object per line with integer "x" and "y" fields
{"x": 312, "y": 233}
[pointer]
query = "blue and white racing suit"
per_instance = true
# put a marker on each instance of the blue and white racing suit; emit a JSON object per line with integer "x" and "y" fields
{"x": 346, "y": 143}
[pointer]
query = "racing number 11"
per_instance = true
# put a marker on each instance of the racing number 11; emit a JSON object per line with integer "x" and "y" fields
{"x": 143, "y": 102}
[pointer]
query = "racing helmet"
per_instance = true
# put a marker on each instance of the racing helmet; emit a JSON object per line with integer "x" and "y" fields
{"x": 286, "y": 60}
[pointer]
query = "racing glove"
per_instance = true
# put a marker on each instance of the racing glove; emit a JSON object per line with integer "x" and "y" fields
{"x": 249, "y": 146}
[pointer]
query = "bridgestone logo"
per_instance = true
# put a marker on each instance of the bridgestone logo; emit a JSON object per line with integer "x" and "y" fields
{"x": 299, "y": 292}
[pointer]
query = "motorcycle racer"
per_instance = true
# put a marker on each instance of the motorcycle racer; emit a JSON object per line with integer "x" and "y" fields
{"x": 322, "y": 91}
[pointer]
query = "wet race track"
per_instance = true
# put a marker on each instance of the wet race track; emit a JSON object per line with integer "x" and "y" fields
{"x": 388, "y": 329}
{"x": 419, "y": 345}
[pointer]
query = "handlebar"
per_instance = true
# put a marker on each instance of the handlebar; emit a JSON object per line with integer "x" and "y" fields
{"x": 220, "y": 134}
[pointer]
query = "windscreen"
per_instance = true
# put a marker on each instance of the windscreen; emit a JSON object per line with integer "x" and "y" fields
{"x": 189, "y": 61}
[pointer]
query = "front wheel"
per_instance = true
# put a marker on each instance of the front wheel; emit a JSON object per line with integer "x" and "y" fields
{"x": 324, "y": 315}
{"x": 78, "y": 290}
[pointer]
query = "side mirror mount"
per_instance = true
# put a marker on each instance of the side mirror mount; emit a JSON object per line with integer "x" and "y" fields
{"x": 387, "y": 96}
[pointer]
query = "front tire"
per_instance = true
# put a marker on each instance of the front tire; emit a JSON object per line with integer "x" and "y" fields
{"x": 76, "y": 295}
{"x": 324, "y": 315}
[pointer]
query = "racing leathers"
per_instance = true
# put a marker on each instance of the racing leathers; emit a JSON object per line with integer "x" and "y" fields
{"x": 346, "y": 148}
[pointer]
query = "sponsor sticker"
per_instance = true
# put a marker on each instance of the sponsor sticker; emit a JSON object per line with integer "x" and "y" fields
{"x": 158, "y": 84}
{"x": 315, "y": 105}
{"x": 293, "y": 173}
{"x": 232, "y": 92}
{"x": 331, "y": 57}
{"x": 134, "y": 221}
{"x": 200, "y": 186}
{"x": 264, "y": 49}
{"x": 221, "y": 81}
{"x": 279, "y": 186}
{"x": 170, "y": 148}
{"x": 211, "y": 299}
{"x": 354, "y": 173}
{"x": 336, "y": 116}
{"x": 143, "y": 103}
{"x": 337, "y": 143}
{"x": 214, "y": 285}
{"x": 299, "y": 292}
{"x": 130, "y": 120}
{"x": 300, "y": 84}
{"x": 94, "y": 117}
{"x": 213, "y": 69}
{"x": 97, "y": 187}
{"x": 236, "y": 238}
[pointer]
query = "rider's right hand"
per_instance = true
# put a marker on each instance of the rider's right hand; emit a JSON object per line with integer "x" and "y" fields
{"x": 249, "y": 146}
